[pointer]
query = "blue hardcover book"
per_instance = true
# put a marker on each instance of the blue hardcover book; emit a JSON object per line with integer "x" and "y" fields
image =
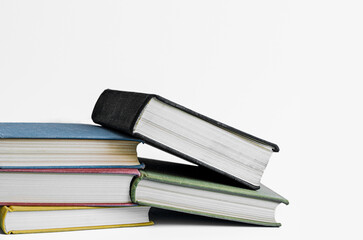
{"x": 65, "y": 145}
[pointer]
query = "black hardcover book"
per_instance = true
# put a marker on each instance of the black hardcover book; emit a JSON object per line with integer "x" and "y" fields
{"x": 186, "y": 134}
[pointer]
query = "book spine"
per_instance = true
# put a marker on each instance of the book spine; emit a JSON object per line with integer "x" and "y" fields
{"x": 134, "y": 184}
{"x": 119, "y": 109}
{"x": 3, "y": 211}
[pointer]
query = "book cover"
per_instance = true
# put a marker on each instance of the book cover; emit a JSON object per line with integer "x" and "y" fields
{"x": 6, "y": 209}
{"x": 120, "y": 110}
{"x": 25, "y": 130}
{"x": 200, "y": 178}
{"x": 56, "y": 131}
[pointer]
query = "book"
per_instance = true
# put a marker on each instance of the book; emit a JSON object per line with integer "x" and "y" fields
{"x": 65, "y": 145}
{"x": 197, "y": 190}
{"x": 186, "y": 134}
{"x": 33, "y": 219}
{"x": 66, "y": 187}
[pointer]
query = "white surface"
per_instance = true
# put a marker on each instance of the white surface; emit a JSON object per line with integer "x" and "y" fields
{"x": 203, "y": 141}
{"x": 300, "y": 61}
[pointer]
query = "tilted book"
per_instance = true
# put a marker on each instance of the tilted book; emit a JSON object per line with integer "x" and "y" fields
{"x": 32, "y": 219}
{"x": 66, "y": 187}
{"x": 185, "y": 133}
{"x": 65, "y": 145}
{"x": 199, "y": 191}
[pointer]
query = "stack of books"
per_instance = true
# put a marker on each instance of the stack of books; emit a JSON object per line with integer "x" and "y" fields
{"x": 59, "y": 177}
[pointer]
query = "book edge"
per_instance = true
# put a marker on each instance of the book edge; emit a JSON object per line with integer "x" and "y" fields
{"x": 139, "y": 166}
{"x": 5, "y": 209}
{"x": 80, "y": 228}
{"x": 219, "y": 124}
{"x": 13, "y": 204}
{"x": 198, "y": 184}
{"x": 242, "y": 220}
{"x": 193, "y": 160}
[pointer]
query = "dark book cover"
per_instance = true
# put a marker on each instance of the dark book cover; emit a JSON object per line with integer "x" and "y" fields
{"x": 120, "y": 110}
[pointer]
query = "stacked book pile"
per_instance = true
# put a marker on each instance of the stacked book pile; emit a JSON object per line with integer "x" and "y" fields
{"x": 61, "y": 177}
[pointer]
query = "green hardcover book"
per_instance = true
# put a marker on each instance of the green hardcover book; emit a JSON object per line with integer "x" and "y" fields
{"x": 197, "y": 190}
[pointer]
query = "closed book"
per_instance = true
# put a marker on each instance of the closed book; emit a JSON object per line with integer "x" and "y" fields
{"x": 199, "y": 191}
{"x": 66, "y": 187}
{"x": 185, "y": 133}
{"x": 65, "y": 145}
{"x": 32, "y": 219}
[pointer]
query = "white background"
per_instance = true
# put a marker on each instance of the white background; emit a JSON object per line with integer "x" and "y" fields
{"x": 286, "y": 71}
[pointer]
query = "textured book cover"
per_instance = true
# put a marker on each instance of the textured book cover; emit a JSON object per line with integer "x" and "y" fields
{"x": 120, "y": 110}
{"x": 6, "y": 209}
{"x": 200, "y": 178}
{"x": 21, "y": 130}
